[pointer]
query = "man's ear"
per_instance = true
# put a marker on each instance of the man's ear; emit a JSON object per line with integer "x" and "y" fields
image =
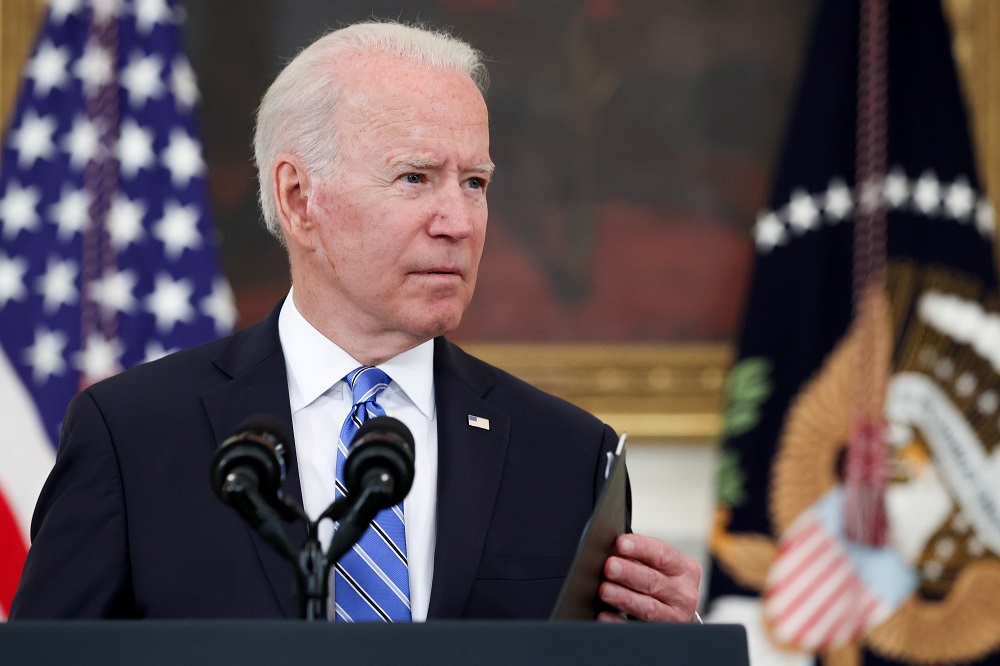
{"x": 292, "y": 189}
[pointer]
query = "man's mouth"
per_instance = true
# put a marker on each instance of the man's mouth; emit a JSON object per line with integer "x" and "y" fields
{"x": 443, "y": 270}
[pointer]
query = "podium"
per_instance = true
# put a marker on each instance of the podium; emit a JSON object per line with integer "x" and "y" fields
{"x": 193, "y": 643}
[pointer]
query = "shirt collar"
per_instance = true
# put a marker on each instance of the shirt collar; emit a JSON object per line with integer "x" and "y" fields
{"x": 315, "y": 364}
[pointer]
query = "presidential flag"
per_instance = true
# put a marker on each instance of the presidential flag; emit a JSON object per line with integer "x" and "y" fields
{"x": 858, "y": 518}
{"x": 107, "y": 254}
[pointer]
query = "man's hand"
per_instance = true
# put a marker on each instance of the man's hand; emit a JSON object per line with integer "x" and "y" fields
{"x": 650, "y": 581}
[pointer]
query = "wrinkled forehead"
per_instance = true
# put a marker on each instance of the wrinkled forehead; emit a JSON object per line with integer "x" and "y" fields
{"x": 374, "y": 84}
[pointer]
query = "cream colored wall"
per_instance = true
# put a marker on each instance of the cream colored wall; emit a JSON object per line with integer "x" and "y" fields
{"x": 673, "y": 493}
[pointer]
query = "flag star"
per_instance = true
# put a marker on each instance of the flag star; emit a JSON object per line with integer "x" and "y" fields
{"x": 220, "y": 306}
{"x": 769, "y": 232}
{"x": 60, "y": 9}
{"x": 17, "y": 210}
{"x": 802, "y": 211}
{"x": 985, "y": 217}
{"x": 178, "y": 230}
{"x": 897, "y": 188}
{"x": 839, "y": 202}
{"x": 183, "y": 83}
{"x": 142, "y": 78}
{"x": 872, "y": 193}
{"x": 47, "y": 68}
{"x": 135, "y": 148}
{"x": 70, "y": 213}
{"x": 115, "y": 291}
{"x": 98, "y": 359}
{"x": 95, "y": 68}
{"x": 125, "y": 222}
{"x": 959, "y": 199}
{"x": 46, "y": 354}
{"x": 148, "y": 13}
{"x": 12, "y": 272}
{"x": 927, "y": 193}
{"x": 182, "y": 157}
{"x": 81, "y": 142}
{"x": 155, "y": 351}
{"x": 58, "y": 285}
{"x": 170, "y": 302}
{"x": 32, "y": 139}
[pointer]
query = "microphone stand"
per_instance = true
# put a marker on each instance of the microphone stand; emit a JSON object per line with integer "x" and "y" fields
{"x": 312, "y": 564}
{"x": 354, "y": 516}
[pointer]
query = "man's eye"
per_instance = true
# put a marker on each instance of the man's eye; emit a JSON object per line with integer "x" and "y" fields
{"x": 477, "y": 183}
{"x": 414, "y": 178}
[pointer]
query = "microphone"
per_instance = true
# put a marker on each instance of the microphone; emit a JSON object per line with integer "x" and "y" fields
{"x": 246, "y": 473}
{"x": 378, "y": 473}
{"x": 253, "y": 459}
{"x": 380, "y": 459}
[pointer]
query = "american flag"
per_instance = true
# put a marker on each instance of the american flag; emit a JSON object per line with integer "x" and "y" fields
{"x": 107, "y": 257}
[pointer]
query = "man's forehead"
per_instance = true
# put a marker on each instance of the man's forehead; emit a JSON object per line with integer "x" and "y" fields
{"x": 395, "y": 78}
{"x": 445, "y": 99}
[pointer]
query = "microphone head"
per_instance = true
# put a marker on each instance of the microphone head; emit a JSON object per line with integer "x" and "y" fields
{"x": 258, "y": 444}
{"x": 384, "y": 444}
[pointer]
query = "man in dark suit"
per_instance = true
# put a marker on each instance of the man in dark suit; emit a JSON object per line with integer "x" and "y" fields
{"x": 373, "y": 152}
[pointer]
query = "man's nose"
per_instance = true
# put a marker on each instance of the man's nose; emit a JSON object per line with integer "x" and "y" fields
{"x": 454, "y": 213}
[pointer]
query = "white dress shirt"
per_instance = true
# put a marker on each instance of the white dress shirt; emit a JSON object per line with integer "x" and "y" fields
{"x": 320, "y": 402}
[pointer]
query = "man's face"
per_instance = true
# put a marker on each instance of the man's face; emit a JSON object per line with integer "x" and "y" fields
{"x": 401, "y": 225}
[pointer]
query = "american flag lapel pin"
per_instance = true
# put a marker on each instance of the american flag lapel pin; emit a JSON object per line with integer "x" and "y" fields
{"x": 479, "y": 422}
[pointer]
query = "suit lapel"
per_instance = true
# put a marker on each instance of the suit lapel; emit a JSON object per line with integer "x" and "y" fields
{"x": 259, "y": 385}
{"x": 470, "y": 464}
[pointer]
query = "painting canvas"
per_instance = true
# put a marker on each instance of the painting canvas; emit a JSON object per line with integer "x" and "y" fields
{"x": 633, "y": 143}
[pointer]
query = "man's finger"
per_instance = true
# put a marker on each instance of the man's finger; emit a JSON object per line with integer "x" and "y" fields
{"x": 656, "y": 554}
{"x": 611, "y": 618}
{"x": 640, "y": 606}
{"x": 679, "y": 592}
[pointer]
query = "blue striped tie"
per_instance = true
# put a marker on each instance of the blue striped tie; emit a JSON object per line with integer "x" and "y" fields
{"x": 372, "y": 583}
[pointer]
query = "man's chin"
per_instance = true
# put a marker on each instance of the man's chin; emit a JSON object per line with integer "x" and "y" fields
{"x": 430, "y": 324}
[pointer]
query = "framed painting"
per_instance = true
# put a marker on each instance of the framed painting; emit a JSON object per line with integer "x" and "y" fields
{"x": 633, "y": 143}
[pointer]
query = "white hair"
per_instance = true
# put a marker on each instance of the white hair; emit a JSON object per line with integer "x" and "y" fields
{"x": 298, "y": 113}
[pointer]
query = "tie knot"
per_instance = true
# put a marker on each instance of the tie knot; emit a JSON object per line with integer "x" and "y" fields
{"x": 366, "y": 383}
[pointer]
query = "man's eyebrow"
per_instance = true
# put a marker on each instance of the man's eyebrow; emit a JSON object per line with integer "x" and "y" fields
{"x": 414, "y": 163}
{"x": 486, "y": 167}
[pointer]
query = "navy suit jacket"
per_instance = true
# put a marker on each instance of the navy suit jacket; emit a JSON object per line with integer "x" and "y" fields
{"x": 127, "y": 524}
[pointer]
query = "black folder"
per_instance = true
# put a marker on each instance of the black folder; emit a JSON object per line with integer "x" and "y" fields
{"x": 578, "y": 598}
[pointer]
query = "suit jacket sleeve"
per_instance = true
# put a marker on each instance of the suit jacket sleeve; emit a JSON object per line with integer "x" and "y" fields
{"x": 78, "y": 566}
{"x": 127, "y": 525}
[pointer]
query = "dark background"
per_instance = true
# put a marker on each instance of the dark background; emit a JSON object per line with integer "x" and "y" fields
{"x": 634, "y": 142}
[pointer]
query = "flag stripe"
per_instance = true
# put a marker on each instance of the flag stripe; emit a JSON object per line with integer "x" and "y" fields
{"x": 820, "y": 631}
{"x": 800, "y": 593}
{"x": 11, "y": 555}
{"x": 825, "y": 599}
{"x": 26, "y": 453}
{"x": 792, "y": 562}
